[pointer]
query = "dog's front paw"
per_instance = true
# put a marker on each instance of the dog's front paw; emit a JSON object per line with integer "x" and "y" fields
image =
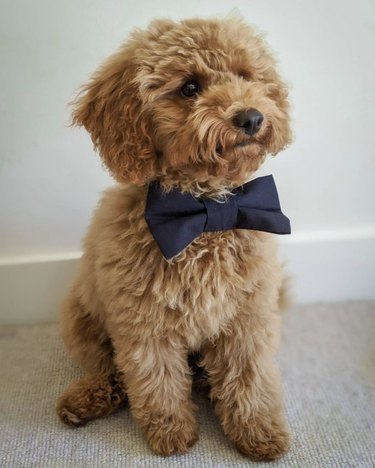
{"x": 260, "y": 443}
{"x": 168, "y": 437}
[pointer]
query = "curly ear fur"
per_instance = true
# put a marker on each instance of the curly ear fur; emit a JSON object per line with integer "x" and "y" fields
{"x": 111, "y": 110}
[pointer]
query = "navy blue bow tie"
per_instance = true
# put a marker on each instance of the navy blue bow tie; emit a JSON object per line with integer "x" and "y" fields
{"x": 175, "y": 219}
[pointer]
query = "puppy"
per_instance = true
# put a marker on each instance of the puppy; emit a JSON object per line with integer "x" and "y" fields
{"x": 184, "y": 112}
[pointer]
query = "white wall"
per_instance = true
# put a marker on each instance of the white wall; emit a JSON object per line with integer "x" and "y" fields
{"x": 51, "y": 180}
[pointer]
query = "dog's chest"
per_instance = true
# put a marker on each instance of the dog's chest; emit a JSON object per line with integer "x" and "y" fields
{"x": 205, "y": 286}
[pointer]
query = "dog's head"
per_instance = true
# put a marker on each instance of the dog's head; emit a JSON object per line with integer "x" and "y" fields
{"x": 196, "y": 104}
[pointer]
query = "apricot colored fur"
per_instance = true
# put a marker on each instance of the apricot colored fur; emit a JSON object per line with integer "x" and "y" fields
{"x": 132, "y": 316}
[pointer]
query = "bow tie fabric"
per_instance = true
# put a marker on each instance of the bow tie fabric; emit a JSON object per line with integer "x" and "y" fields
{"x": 175, "y": 219}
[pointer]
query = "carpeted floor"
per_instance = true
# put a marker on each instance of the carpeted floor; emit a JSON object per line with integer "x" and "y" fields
{"x": 328, "y": 365}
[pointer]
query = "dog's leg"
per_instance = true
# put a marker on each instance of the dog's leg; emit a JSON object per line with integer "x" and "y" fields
{"x": 246, "y": 388}
{"x": 158, "y": 384}
{"x": 85, "y": 337}
{"x": 100, "y": 393}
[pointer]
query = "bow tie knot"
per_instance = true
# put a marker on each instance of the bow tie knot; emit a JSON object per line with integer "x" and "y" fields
{"x": 175, "y": 219}
{"x": 221, "y": 216}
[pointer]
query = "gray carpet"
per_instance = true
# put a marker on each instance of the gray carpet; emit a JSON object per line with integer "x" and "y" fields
{"x": 328, "y": 366}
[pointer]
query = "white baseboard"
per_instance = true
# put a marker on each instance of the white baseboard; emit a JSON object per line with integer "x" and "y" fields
{"x": 31, "y": 289}
{"x": 331, "y": 266}
{"x": 325, "y": 267}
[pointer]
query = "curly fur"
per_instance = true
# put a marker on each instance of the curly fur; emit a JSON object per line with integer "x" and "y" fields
{"x": 132, "y": 318}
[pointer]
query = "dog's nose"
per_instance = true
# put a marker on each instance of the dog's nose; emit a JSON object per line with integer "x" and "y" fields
{"x": 249, "y": 121}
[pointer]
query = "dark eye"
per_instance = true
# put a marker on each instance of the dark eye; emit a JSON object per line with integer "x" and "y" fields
{"x": 190, "y": 88}
{"x": 245, "y": 75}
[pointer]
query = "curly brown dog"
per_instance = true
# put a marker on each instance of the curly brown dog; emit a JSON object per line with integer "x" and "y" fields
{"x": 166, "y": 108}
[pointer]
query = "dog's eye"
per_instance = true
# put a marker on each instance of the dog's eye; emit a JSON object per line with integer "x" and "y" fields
{"x": 244, "y": 75}
{"x": 190, "y": 88}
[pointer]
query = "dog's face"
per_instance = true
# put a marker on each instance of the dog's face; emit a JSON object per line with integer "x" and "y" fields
{"x": 196, "y": 104}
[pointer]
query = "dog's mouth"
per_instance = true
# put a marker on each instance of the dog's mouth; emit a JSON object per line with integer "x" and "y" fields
{"x": 242, "y": 144}
{"x": 262, "y": 139}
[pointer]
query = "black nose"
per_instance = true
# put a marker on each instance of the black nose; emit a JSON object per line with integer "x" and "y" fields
{"x": 249, "y": 121}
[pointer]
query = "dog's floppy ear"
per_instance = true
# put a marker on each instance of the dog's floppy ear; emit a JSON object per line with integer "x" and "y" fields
{"x": 110, "y": 108}
{"x": 278, "y": 91}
